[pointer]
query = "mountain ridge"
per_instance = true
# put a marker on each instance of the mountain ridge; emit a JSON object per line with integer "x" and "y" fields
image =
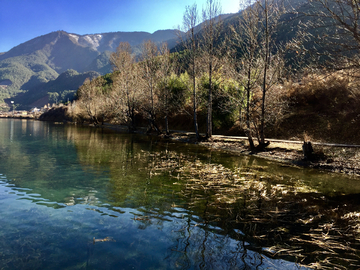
{"x": 44, "y": 58}
{"x": 86, "y": 40}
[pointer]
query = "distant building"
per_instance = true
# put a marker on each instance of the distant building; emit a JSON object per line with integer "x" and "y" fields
{"x": 35, "y": 110}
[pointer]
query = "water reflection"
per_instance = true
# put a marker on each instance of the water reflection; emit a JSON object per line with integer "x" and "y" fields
{"x": 143, "y": 239}
{"x": 165, "y": 205}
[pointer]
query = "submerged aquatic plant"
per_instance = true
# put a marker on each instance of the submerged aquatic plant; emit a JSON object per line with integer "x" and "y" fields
{"x": 281, "y": 216}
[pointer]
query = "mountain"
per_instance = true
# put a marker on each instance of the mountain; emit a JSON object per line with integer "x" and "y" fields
{"x": 36, "y": 62}
{"x": 62, "y": 88}
{"x": 286, "y": 29}
{"x": 31, "y": 66}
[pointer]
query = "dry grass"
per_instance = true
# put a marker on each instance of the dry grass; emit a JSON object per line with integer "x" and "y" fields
{"x": 325, "y": 106}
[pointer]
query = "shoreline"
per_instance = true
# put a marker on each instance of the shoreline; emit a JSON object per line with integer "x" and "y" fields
{"x": 334, "y": 158}
{"x": 288, "y": 154}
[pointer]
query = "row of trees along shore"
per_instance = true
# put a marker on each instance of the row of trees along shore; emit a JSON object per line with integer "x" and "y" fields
{"x": 239, "y": 74}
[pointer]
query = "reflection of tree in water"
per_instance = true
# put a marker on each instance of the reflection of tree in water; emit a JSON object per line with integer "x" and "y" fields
{"x": 257, "y": 214}
{"x": 274, "y": 216}
{"x": 199, "y": 241}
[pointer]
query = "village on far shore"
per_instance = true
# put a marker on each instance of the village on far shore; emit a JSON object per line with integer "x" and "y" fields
{"x": 34, "y": 113}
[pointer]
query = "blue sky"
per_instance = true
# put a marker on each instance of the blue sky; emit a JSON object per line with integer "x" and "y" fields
{"x": 22, "y": 20}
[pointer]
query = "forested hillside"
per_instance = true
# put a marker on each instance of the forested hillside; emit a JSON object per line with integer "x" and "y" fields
{"x": 275, "y": 69}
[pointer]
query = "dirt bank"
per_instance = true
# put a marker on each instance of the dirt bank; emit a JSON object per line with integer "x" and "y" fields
{"x": 335, "y": 158}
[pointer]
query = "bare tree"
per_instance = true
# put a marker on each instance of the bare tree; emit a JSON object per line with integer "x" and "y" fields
{"x": 335, "y": 27}
{"x": 211, "y": 32}
{"x": 244, "y": 39}
{"x": 189, "y": 41}
{"x": 260, "y": 59}
{"x": 149, "y": 68}
{"x": 125, "y": 84}
{"x": 93, "y": 100}
{"x": 165, "y": 91}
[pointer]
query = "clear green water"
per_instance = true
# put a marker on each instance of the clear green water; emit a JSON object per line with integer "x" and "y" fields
{"x": 63, "y": 186}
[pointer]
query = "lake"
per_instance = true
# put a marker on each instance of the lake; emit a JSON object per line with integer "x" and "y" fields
{"x": 85, "y": 198}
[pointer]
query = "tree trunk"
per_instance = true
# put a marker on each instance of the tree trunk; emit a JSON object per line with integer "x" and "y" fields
{"x": 194, "y": 86}
{"x": 248, "y": 127}
{"x": 195, "y": 118}
{"x": 167, "y": 124}
{"x": 166, "y": 115}
{"x": 132, "y": 126}
{"x": 209, "y": 112}
{"x": 267, "y": 52}
{"x": 307, "y": 150}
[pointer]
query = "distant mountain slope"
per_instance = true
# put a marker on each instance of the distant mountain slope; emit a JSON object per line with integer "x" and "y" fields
{"x": 43, "y": 58}
{"x": 286, "y": 30}
{"x": 101, "y": 63}
{"x": 51, "y": 42}
{"x": 63, "y": 87}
